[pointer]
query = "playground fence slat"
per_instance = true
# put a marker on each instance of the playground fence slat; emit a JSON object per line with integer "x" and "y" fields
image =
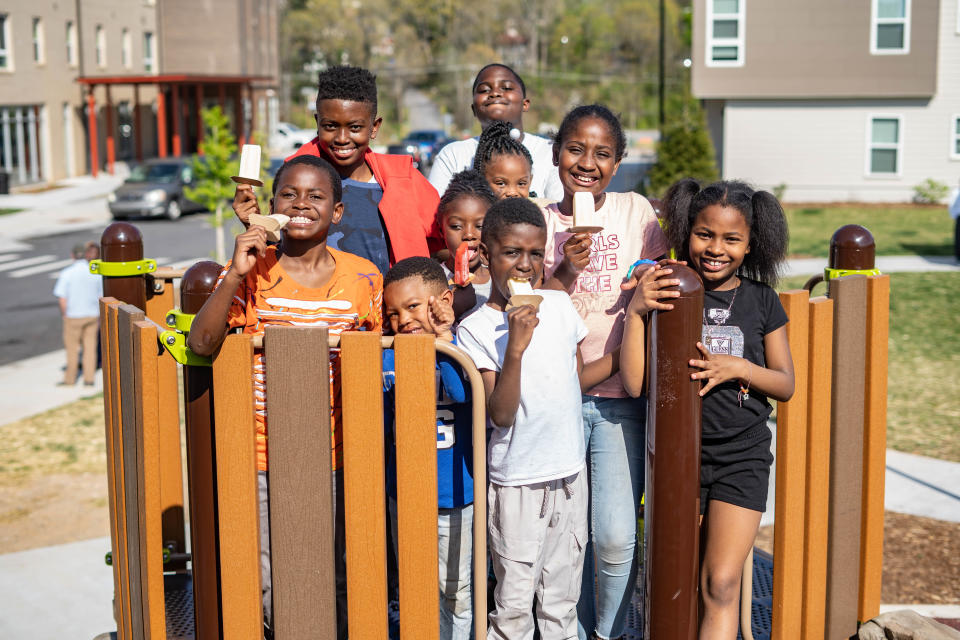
{"x": 301, "y": 506}
{"x": 363, "y": 465}
{"x": 127, "y": 315}
{"x": 198, "y": 415}
{"x": 239, "y": 543}
{"x": 846, "y": 455}
{"x": 791, "y": 476}
{"x": 416, "y": 485}
{"x": 816, "y": 507}
{"x": 114, "y": 450}
{"x": 874, "y": 446}
{"x": 171, "y": 469}
{"x": 148, "y": 478}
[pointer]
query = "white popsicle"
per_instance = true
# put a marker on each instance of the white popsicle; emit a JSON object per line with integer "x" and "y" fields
{"x": 521, "y": 293}
{"x": 519, "y": 286}
{"x": 583, "y": 213}
{"x": 249, "y": 166}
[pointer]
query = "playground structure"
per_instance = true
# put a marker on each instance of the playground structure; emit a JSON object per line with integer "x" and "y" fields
{"x": 829, "y": 472}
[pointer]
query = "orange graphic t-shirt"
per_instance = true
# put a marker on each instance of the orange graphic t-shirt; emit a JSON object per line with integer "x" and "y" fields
{"x": 349, "y": 301}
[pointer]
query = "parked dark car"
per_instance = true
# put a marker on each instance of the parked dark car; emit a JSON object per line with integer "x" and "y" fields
{"x": 410, "y": 149}
{"x": 154, "y": 188}
{"x": 429, "y": 142}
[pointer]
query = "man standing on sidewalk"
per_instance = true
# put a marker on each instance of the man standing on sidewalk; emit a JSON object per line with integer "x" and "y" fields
{"x": 79, "y": 292}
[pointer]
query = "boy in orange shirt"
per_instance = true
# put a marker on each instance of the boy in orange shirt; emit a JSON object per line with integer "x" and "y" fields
{"x": 299, "y": 281}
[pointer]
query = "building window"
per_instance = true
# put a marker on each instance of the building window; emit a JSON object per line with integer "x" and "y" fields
{"x": 38, "y": 41}
{"x": 955, "y": 137}
{"x": 725, "y": 32}
{"x": 889, "y": 27}
{"x": 6, "y": 57}
{"x": 71, "y": 44}
{"x": 884, "y": 150}
{"x": 125, "y": 47}
{"x": 148, "y": 53}
{"x": 101, "y": 42}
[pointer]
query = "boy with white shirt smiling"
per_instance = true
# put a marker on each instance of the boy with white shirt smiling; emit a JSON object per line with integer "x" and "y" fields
{"x": 532, "y": 372}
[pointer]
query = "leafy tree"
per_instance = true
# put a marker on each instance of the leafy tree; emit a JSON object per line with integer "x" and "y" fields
{"x": 684, "y": 151}
{"x": 213, "y": 169}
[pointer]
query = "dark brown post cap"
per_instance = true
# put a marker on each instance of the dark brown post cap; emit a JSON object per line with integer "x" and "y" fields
{"x": 121, "y": 242}
{"x": 197, "y": 284}
{"x": 690, "y": 283}
{"x": 852, "y": 247}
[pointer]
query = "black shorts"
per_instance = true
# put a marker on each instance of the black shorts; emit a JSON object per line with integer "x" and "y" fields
{"x": 737, "y": 471}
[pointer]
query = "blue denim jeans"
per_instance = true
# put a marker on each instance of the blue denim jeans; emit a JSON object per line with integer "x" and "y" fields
{"x": 614, "y": 430}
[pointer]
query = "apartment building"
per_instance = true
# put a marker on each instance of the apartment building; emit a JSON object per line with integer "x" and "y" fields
{"x": 839, "y": 101}
{"x": 145, "y": 67}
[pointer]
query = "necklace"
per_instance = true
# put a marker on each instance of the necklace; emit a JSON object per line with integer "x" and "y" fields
{"x": 720, "y": 316}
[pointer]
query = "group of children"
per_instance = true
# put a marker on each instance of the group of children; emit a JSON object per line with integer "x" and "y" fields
{"x": 372, "y": 245}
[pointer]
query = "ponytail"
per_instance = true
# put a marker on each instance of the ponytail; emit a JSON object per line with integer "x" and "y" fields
{"x": 677, "y": 208}
{"x": 769, "y": 236}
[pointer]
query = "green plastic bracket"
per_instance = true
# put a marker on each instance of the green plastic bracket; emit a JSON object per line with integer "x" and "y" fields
{"x": 830, "y": 274}
{"x": 120, "y": 269}
{"x": 108, "y": 559}
{"x": 176, "y": 344}
{"x": 179, "y": 320}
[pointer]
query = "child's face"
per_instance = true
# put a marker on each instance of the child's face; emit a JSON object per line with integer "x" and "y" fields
{"x": 305, "y": 194}
{"x": 406, "y": 304}
{"x": 587, "y": 157}
{"x": 508, "y": 176}
{"x": 517, "y": 253}
{"x": 498, "y": 96}
{"x": 463, "y": 222}
{"x": 719, "y": 241}
{"x": 345, "y": 129}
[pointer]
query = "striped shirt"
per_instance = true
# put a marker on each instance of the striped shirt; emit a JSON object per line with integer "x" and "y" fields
{"x": 351, "y": 300}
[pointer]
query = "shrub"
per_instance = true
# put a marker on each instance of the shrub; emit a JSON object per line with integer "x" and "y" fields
{"x": 685, "y": 151}
{"x": 930, "y": 191}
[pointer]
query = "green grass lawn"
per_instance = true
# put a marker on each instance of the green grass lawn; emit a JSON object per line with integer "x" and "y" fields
{"x": 898, "y": 229}
{"x": 923, "y": 410}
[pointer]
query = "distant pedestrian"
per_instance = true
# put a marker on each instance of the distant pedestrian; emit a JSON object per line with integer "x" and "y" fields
{"x": 955, "y": 213}
{"x": 79, "y": 292}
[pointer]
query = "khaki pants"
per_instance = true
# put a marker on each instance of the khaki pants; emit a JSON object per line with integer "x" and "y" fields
{"x": 537, "y": 536}
{"x": 77, "y": 332}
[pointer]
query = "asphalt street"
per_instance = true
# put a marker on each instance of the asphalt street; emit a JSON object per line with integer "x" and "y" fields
{"x": 31, "y": 315}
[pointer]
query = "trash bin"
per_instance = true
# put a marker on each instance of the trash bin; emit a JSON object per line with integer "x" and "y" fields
{"x": 4, "y": 183}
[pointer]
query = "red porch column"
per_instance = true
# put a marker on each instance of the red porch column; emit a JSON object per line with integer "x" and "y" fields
{"x": 199, "y": 106}
{"x": 92, "y": 131}
{"x": 175, "y": 107}
{"x": 253, "y": 111}
{"x": 161, "y": 123}
{"x": 111, "y": 140}
{"x": 238, "y": 122}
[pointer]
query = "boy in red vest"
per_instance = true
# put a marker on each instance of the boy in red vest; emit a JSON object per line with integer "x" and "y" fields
{"x": 389, "y": 206}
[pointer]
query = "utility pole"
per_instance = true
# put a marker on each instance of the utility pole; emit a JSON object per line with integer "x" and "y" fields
{"x": 660, "y": 87}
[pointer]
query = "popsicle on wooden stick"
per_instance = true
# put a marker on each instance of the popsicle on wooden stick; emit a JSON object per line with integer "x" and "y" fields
{"x": 249, "y": 166}
{"x": 272, "y": 223}
{"x": 521, "y": 293}
{"x": 584, "y": 213}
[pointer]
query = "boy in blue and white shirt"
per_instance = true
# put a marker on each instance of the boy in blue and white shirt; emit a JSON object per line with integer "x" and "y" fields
{"x": 416, "y": 299}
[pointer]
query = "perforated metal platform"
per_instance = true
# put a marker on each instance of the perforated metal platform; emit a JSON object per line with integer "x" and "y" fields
{"x": 761, "y": 609}
{"x": 178, "y": 597}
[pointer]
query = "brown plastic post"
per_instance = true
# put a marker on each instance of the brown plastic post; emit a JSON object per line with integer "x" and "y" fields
{"x": 672, "y": 505}
{"x": 197, "y": 284}
{"x": 122, "y": 242}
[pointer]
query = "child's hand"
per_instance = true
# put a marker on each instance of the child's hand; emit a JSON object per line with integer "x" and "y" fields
{"x": 650, "y": 290}
{"x": 717, "y": 369}
{"x": 441, "y": 318}
{"x": 250, "y": 244}
{"x": 521, "y": 323}
{"x": 245, "y": 203}
{"x": 576, "y": 251}
{"x": 634, "y": 278}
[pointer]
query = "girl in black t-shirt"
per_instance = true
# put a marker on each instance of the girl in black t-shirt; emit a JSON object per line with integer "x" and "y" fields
{"x": 735, "y": 238}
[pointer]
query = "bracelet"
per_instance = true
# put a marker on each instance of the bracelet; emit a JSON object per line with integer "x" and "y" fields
{"x": 745, "y": 390}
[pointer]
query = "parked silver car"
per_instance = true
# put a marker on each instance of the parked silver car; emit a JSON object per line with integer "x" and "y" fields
{"x": 154, "y": 188}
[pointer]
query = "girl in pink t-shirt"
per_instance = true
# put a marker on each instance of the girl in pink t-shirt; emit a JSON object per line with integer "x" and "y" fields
{"x": 587, "y": 152}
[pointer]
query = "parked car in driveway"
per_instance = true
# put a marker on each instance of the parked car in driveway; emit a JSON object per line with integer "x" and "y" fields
{"x": 429, "y": 141}
{"x": 287, "y": 138}
{"x": 154, "y": 188}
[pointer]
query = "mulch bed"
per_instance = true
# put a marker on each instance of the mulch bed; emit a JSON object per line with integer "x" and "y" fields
{"x": 921, "y": 559}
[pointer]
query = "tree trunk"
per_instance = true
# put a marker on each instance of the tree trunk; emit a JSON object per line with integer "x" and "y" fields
{"x": 218, "y": 229}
